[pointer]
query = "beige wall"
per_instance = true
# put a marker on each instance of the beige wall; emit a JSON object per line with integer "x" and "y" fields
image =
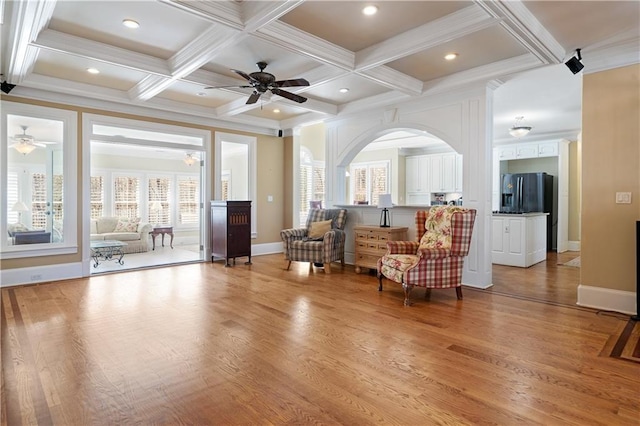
{"x": 575, "y": 188}
{"x": 270, "y": 178}
{"x": 610, "y": 163}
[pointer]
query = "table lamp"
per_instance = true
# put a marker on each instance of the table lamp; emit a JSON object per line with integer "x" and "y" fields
{"x": 384, "y": 203}
{"x": 19, "y": 207}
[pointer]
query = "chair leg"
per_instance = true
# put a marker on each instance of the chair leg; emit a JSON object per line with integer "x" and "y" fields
{"x": 427, "y": 294}
{"x": 459, "y": 293}
{"x": 342, "y": 262}
{"x": 288, "y": 265}
{"x": 380, "y": 281}
{"x": 311, "y": 267}
{"x": 327, "y": 268}
{"x": 407, "y": 291}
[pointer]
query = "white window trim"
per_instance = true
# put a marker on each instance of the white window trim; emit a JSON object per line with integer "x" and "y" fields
{"x": 69, "y": 244}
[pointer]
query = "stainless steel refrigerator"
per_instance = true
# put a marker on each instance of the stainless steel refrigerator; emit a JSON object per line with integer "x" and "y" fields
{"x": 526, "y": 193}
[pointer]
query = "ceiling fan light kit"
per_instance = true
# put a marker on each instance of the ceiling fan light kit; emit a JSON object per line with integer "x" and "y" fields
{"x": 25, "y": 144}
{"x": 518, "y": 131}
{"x": 190, "y": 160}
{"x": 262, "y": 81}
{"x": 24, "y": 148}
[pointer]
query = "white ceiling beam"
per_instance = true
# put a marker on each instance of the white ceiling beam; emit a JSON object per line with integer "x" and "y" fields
{"x": 223, "y": 12}
{"x": 236, "y": 107}
{"x": 526, "y": 28}
{"x": 372, "y": 102}
{"x": 393, "y": 79}
{"x": 450, "y": 27}
{"x": 194, "y": 55}
{"x": 305, "y": 119}
{"x": 303, "y": 43}
{"x": 482, "y": 73}
{"x": 28, "y": 18}
{"x": 257, "y": 14}
{"x": 69, "y": 44}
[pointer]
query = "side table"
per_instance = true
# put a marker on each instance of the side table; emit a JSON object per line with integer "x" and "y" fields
{"x": 161, "y": 230}
{"x": 371, "y": 243}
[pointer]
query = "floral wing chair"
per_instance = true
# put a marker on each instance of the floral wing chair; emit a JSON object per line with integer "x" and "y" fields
{"x": 436, "y": 260}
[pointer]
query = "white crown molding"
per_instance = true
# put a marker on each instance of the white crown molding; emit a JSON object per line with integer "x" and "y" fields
{"x": 52, "y": 89}
{"x": 302, "y": 120}
{"x": 526, "y": 28}
{"x": 620, "y": 53}
{"x": 28, "y": 18}
{"x": 450, "y": 27}
{"x": 393, "y": 79}
{"x": 300, "y": 42}
{"x": 148, "y": 87}
{"x": 66, "y": 43}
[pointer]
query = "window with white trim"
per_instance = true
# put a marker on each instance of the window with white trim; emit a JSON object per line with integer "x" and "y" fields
{"x": 97, "y": 196}
{"x": 159, "y": 200}
{"x": 311, "y": 180}
{"x": 368, "y": 181}
{"x": 188, "y": 200}
{"x": 126, "y": 196}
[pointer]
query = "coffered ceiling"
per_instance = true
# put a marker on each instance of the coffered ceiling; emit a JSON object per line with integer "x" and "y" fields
{"x": 183, "y": 46}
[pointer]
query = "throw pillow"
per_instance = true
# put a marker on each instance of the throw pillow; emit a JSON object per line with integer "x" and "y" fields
{"x": 127, "y": 224}
{"x": 318, "y": 229}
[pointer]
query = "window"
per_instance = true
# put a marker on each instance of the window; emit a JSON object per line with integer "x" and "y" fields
{"x": 188, "y": 201}
{"x": 226, "y": 184}
{"x": 311, "y": 180}
{"x": 368, "y": 181}
{"x": 126, "y": 196}
{"x": 97, "y": 196}
{"x": 159, "y": 200}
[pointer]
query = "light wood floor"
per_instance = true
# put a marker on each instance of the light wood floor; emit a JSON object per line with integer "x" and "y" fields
{"x": 203, "y": 344}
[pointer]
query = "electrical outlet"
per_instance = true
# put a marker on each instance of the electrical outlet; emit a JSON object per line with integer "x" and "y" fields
{"x": 623, "y": 198}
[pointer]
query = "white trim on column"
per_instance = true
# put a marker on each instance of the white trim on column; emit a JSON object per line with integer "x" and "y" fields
{"x": 607, "y": 299}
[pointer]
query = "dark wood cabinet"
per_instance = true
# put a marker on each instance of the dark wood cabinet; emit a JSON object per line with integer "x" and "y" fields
{"x": 230, "y": 230}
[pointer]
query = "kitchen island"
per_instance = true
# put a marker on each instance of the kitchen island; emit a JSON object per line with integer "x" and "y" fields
{"x": 519, "y": 239}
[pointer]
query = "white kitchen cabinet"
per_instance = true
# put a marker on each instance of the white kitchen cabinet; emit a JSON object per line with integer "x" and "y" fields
{"x": 526, "y": 150}
{"x": 519, "y": 240}
{"x": 548, "y": 149}
{"x": 443, "y": 172}
{"x": 418, "y": 190}
{"x": 459, "y": 174}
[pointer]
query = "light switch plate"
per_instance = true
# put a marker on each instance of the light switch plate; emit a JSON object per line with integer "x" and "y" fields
{"x": 623, "y": 198}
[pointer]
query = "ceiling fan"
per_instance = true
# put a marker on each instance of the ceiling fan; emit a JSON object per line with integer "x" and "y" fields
{"x": 25, "y": 143}
{"x": 261, "y": 81}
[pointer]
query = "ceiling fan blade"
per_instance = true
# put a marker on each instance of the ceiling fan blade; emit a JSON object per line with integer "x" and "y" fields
{"x": 253, "y": 98}
{"x": 289, "y": 95}
{"x": 243, "y": 75}
{"x": 292, "y": 83}
{"x": 228, "y": 87}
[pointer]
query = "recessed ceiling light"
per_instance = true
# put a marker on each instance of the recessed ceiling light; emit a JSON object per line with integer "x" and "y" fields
{"x": 276, "y": 110}
{"x": 344, "y": 90}
{"x": 370, "y": 10}
{"x": 450, "y": 56}
{"x": 93, "y": 71}
{"x": 130, "y": 23}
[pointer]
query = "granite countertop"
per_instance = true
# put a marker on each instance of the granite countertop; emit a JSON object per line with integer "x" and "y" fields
{"x": 521, "y": 214}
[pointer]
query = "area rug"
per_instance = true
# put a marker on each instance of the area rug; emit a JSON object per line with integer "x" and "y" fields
{"x": 628, "y": 345}
{"x": 573, "y": 262}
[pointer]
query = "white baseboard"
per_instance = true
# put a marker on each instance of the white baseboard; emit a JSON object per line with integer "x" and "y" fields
{"x": 574, "y": 245}
{"x": 266, "y": 248}
{"x": 40, "y": 274}
{"x": 607, "y": 299}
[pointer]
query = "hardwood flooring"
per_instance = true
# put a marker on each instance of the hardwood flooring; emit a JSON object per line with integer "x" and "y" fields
{"x": 203, "y": 344}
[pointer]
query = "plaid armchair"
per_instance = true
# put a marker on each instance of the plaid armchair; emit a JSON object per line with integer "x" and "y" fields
{"x": 325, "y": 249}
{"x": 436, "y": 259}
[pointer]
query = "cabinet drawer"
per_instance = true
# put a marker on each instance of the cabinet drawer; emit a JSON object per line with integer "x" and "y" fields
{"x": 361, "y": 235}
{"x": 367, "y": 260}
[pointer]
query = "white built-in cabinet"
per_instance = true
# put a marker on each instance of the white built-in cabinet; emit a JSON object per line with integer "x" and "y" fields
{"x": 433, "y": 173}
{"x": 519, "y": 240}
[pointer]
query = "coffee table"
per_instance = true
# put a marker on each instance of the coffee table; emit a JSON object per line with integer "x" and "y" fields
{"x": 102, "y": 250}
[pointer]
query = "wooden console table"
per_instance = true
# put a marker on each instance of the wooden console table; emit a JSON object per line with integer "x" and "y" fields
{"x": 161, "y": 230}
{"x": 371, "y": 243}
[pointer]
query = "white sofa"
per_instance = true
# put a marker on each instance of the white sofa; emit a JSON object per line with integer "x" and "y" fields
{"x": 137, "y": 242}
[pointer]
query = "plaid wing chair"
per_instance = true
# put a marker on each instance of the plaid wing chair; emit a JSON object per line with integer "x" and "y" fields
{"x": 326, "y": 248}
{"x": 436, "y": 259}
